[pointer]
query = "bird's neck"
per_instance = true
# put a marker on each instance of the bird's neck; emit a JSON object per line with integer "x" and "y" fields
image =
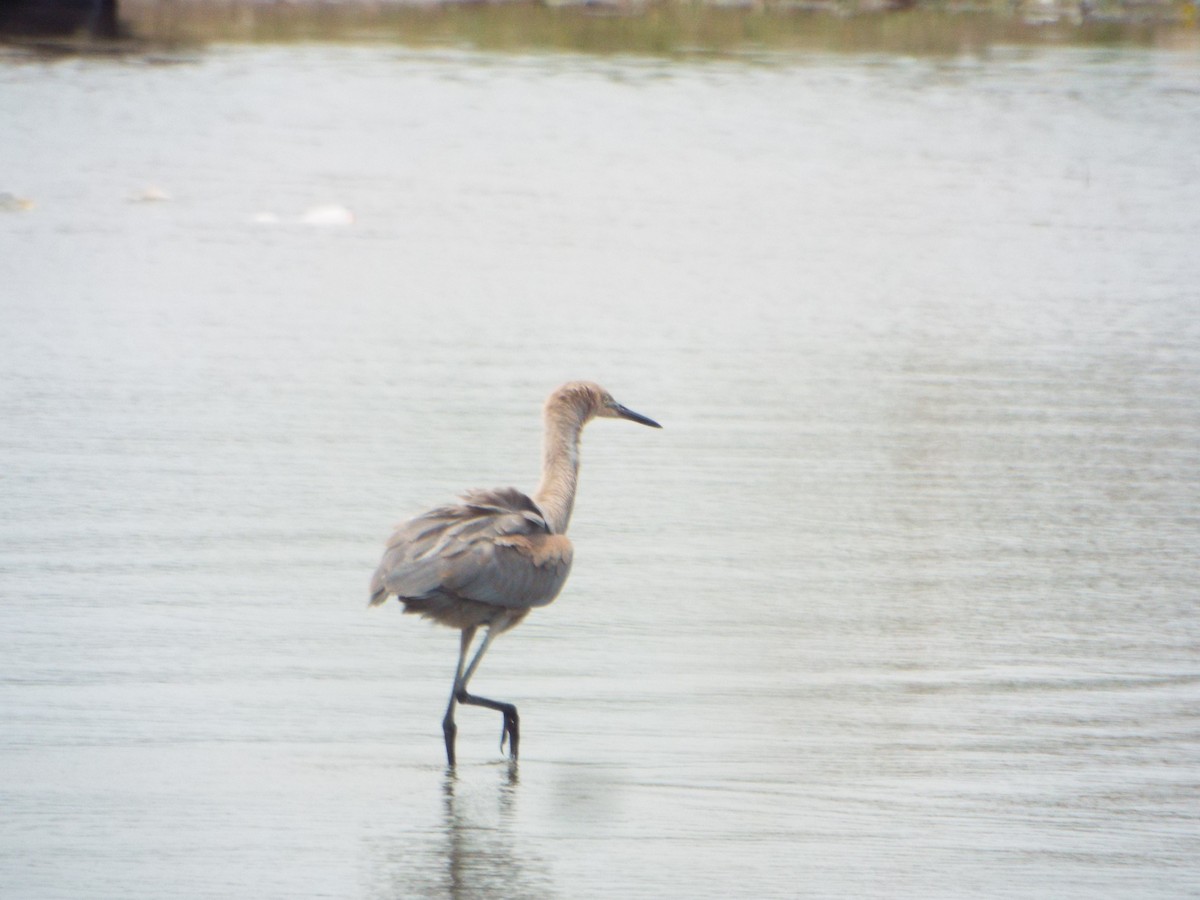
{"x": 560, "y": 467}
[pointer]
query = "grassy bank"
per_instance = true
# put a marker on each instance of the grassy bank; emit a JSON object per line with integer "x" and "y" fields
{"x": 674, "y": 27}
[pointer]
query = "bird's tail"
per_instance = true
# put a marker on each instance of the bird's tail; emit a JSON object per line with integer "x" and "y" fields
{"x": 379, "y": 592}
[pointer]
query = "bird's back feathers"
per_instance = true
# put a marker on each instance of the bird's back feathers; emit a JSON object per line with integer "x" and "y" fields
{"x": 492, "y": 556}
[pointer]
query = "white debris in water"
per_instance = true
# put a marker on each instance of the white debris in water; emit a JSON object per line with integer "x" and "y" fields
{"x": 327, "y": 214}
{"x": 324, "y": 215}
{"x": 151, "y": 194}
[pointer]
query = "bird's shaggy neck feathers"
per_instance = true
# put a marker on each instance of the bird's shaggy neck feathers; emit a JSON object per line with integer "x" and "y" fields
{"x": 567, "y": 411}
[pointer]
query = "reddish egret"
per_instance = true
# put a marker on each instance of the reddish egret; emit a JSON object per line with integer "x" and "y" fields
{"x": 489, "y": 560}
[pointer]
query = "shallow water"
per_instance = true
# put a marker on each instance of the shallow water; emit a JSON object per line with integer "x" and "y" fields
{"x": 900, "y": 603}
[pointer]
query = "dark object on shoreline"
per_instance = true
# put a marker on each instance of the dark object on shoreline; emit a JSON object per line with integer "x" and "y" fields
{"x": 59, "y": 18}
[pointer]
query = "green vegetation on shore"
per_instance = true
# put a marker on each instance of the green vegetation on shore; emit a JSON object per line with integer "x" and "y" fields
{"x": 674, "y": 27}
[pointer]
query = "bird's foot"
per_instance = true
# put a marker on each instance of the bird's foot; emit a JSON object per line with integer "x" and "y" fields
{"x": 511, "y": 732}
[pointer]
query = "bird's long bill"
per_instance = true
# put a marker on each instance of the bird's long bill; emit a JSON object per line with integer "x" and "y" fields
{"x": 626, "y": 413}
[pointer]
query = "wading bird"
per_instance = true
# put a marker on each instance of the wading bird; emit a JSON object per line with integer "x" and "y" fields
{"x": 486, "y": 562}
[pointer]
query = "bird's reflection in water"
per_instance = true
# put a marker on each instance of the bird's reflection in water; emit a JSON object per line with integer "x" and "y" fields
{"x": 480, "y": 858}
{"x": 479, "y": 852}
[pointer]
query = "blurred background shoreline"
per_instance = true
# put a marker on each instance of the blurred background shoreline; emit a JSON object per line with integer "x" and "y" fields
{"x": 650, "y": 27}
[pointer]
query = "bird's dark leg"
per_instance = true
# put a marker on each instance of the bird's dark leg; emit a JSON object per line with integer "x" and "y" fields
{"x": 511, "y": 731}
{"x": 449, "y": 729}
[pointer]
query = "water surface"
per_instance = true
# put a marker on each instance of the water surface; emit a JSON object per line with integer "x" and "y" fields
{"x": 900, "y": 603}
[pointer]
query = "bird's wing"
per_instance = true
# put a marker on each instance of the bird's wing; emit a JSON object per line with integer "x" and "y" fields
{"x": 495, "y": 548}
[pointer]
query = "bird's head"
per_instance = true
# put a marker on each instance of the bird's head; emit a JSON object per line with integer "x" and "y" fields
{"x": 588, "y": 400}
